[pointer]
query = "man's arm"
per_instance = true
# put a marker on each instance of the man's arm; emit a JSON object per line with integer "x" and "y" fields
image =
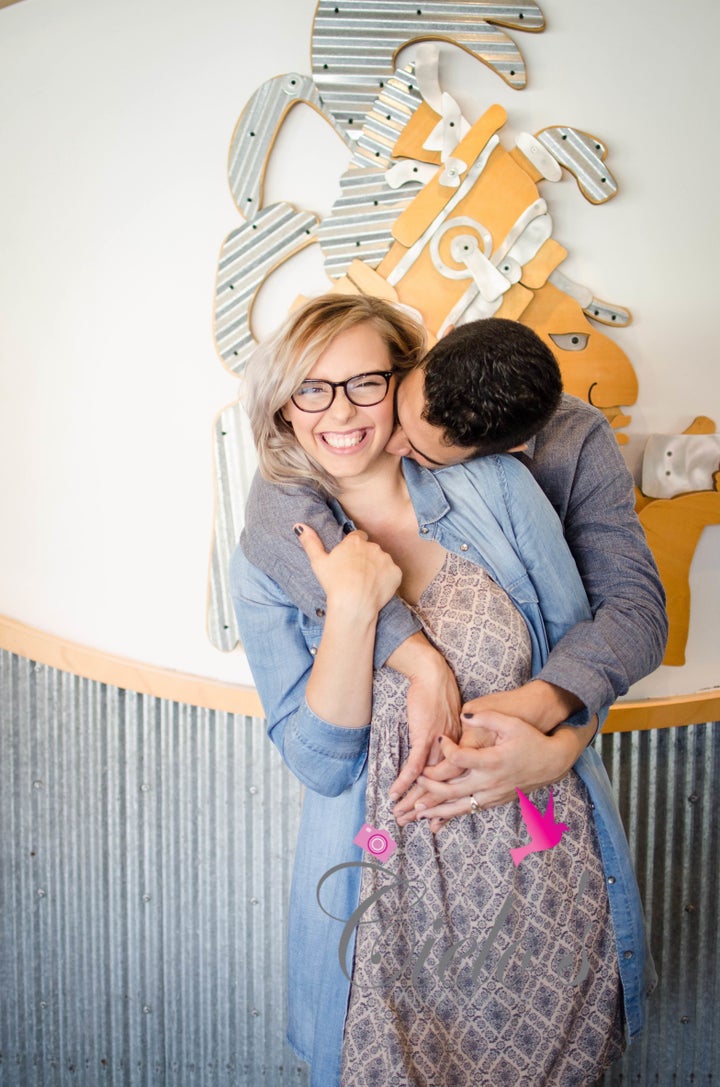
{"x": 578, "y": 463}
{"x": 269, "y": 543}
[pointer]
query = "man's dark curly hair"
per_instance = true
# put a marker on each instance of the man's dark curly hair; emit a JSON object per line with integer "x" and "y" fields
{"x": 490, "y": 385}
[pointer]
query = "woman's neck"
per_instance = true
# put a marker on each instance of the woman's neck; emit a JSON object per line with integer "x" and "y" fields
{"x": 372, "y": 501}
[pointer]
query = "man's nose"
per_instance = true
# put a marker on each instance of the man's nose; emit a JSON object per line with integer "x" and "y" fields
{"x": 398, "y": 443}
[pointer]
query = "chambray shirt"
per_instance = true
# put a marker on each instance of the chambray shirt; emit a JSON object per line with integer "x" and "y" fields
{"x": 491, "y": 512}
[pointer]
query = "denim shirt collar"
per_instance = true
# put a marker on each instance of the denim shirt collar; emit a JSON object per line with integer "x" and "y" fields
{"x": 428, "y": 497}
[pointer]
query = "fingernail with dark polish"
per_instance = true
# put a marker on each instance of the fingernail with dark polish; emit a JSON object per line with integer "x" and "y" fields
{"x": 298, "y": 530}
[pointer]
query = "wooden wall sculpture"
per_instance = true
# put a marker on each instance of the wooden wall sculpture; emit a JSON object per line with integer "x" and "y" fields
{"x": 437, "y": 213}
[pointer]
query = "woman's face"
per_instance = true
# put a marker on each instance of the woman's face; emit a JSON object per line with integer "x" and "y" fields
{"x": 347, "y": 440}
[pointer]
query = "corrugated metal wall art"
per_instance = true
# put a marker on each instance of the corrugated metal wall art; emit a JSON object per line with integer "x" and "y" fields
{"x": 354, "y": 44}
{"x": 145, "y": 856}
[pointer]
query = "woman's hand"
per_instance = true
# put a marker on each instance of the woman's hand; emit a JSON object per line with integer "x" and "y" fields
{"x": 433, "y": 706}
{"x": 358, "y": 578}
{"x": 357, "y": 575}
{"x": 494, "y": 758}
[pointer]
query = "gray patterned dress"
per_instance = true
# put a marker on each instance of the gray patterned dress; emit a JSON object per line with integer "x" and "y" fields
{"x": 471, "y": 971}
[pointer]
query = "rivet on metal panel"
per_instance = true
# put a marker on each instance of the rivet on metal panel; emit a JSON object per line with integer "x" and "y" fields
{"x": 693, "y": 798}
{"x": 253, "y": 790}
{"x": 689, "y": 908}
{"x": 144, "y": 788}
{"x": 147, "y": 1010}
{"x": 684, "y": 1018}
{"x": 254, "y": 901}
{"x": 41, "y": 892}
{"x": 255, "y": 1012}
{"x": 146, "y": 898}
{"x": 38, "y": 784}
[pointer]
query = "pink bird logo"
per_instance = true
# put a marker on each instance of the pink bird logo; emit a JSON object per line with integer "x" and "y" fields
{"x": 544, "y": 832}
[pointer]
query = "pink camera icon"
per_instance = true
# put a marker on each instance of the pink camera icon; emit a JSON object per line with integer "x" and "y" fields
{"x": 377, "y": 842}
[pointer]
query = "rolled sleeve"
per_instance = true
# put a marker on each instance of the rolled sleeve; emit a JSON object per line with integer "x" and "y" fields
{"x": 327, "y": 758}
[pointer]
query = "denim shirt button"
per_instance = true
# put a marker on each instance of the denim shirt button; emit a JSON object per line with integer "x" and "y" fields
{"x": 627, "y": 954}
{"x": 424, "y": 530}
{"x": 463, "y": 547}
{"x": 319, "y": 612}
{"x": 313, "y": 650}
{"x": 611, "y": 879}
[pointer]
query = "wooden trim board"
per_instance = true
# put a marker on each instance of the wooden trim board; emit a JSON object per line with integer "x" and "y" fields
{"x": 56, "y": 652}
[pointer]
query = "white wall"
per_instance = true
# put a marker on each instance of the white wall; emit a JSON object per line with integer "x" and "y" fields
{"x": 115, "y": 123}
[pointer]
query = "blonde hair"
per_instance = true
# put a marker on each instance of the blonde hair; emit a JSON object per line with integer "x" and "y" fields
{"x": 277, "y": 367}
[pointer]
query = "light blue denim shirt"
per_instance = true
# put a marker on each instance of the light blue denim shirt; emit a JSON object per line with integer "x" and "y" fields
{"x": 492, "y": 512}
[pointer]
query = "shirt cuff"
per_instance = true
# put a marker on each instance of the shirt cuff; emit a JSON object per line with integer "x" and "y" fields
{"x": 326, "y": 758}
{"x": 396, "y": 624}
{"x": 585, "y": 684}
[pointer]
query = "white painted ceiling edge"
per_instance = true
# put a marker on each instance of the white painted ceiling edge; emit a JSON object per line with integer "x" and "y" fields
{"x": 114, "y": 203}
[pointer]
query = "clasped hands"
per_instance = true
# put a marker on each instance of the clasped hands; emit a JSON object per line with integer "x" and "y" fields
{"x": 496, "y": 753}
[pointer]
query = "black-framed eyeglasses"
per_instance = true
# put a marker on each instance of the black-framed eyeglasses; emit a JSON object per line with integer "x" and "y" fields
{"x": 363, "y": 391}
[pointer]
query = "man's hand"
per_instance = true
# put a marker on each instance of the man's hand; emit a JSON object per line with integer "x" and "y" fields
{"x": 540, "y": 703}
{"x": 433, "y": 706}
{"x": 503, "y": 753}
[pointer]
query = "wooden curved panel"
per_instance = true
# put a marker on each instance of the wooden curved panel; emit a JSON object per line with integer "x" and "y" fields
{"x": 131, "y": 675}
{"x": 191, "y": 690}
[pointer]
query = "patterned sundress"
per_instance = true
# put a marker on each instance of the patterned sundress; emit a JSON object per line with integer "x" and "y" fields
{"x": 470, "y": 970}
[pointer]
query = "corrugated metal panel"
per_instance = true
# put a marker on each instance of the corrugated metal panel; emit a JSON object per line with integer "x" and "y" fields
{"x": 146, "y": 851}
{"x": 235, "y": 464}
{"x": 665, "y": 782}
{"x": 354, "y": 44}
{"x": 583, "y": 156}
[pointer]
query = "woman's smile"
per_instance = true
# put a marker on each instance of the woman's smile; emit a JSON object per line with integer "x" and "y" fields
{"x": 346, "y": 441}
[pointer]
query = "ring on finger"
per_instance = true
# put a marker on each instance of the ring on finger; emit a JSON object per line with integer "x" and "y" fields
{"x": 474, "y": 806}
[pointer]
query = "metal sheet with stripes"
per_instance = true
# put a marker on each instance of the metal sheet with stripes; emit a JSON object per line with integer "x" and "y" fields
{"x": 145, "y": 855}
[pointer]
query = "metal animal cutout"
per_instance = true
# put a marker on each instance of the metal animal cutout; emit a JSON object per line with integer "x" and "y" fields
{"x": 433, "y": 211}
